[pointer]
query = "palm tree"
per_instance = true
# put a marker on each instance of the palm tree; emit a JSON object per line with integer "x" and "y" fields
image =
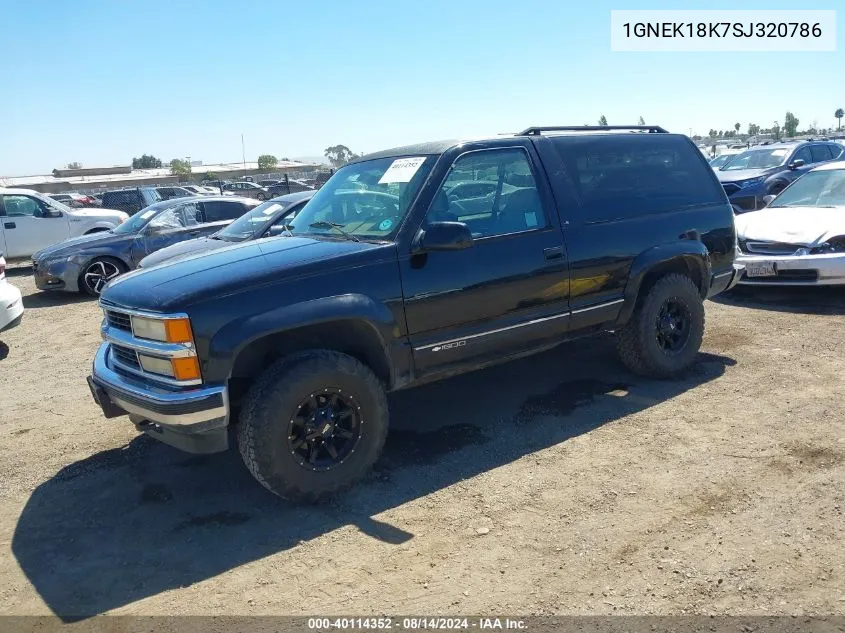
{"x": 839, "y": 114}
{"x": 736, "y": 127}
{"x": 602, "y": 120}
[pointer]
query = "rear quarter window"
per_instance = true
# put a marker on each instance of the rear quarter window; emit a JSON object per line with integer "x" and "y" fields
{"x": 624, "y": 176}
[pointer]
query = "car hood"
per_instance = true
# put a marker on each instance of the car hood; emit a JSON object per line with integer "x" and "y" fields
{"x": 183, "y": 249}
{"x": 106, "y": 214}
{"x": 76, "y": 245}
{"x": 735, "y": 175}
{"x": 806, "y": 226}
{"x": 180, "y": 282}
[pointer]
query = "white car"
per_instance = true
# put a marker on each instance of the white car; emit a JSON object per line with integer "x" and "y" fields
{"x": 799, "y": 238}
{"x": 11, "y": 304}
{"x": 30, "y": 221}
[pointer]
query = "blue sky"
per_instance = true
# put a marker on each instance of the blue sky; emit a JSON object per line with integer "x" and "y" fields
{"x": 98, "y": 81}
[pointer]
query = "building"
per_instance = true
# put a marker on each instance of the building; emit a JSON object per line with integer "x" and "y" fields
{"x": 91, "y": 180}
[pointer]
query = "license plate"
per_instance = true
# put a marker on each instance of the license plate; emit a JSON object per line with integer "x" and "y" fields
{"x": 760, "y": 269}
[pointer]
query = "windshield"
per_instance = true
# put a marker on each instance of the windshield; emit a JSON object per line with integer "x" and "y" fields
{"x": 816, "y": 189}
{"x": 368, "y": 200}
{"x": 721, "y": 161}
{"x": 248, "y": 225}
{"x": 757, "y": 159}
{"x": 140, "y": 219}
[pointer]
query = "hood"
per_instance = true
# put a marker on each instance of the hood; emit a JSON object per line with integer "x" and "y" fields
{"x": 76, "y": 245}
{"x": 180, "y": 282}
{"x": 805, "y": 226}
{"x": 735, "y": 175}
{"x": 183, "y": 249}
{"x": 106, "y": 214}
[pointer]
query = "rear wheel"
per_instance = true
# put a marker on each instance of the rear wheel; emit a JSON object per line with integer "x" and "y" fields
{"x": 98, "y": 273}
{"x": 313, "y": 424}
{"x": 261, "y": 196}
{"x": 664, "y": 334}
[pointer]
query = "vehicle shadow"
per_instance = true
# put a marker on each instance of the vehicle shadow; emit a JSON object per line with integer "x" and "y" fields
{"x": 132, "y": 522}
{"x": 795, "y": 299}
{"x": 53, "y": 298}
{"x": 18, "y": 270}
{"x": 4, "y": 350}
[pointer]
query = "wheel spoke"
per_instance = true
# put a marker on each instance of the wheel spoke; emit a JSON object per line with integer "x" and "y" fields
{"x": 312, "y": 452}
{"x": 331, "y": 449}
{"x": 343, "y": 433}
{"x": 297, "y": 444}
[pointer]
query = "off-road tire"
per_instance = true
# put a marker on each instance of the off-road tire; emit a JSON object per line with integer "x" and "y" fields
{"x": 272, "y": 401}
{"x": 637, "y": 341}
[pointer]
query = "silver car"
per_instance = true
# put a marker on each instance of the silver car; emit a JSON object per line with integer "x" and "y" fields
{"x": 248, "y": 190}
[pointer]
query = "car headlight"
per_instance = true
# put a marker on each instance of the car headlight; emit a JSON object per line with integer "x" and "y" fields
{"x": 186, "y": 368}
{"x": 751, "y": 182}
{"x": 164, "y": 330}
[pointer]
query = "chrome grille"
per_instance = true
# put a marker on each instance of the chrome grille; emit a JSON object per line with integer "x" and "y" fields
{"x": 768, "y": 248}
{"x": 126, "y": 356}
{"x": 119, "y": 320}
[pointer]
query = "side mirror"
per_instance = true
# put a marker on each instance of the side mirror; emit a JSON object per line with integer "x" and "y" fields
{"x": 276, "y": 229}
{"x": 767, "y": 200}
{"x": 798, "y": 162}
{"x": 445, "y": 236}
{"x": 50, "y": 213}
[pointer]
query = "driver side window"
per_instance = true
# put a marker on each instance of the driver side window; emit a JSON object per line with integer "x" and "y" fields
{"x": 803, "y": 154}
{"x": 493, "y": 192}
{"x": 170, "y": 219}
{"x": 23, "y": 206}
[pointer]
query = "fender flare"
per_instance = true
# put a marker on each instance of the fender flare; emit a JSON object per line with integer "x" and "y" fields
{"x": 234, "y": 337}
{"x": 690, "y": 251}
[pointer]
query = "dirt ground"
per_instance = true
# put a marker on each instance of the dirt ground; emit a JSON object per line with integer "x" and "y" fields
{"x": 558, "y": 484}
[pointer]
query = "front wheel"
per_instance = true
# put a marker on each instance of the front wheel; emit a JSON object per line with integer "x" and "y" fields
{"x": 664, "y": 334}
{"x": 98, "y": 273}
{"x": 313, "y": 424}
{"x": 261, "y": 196}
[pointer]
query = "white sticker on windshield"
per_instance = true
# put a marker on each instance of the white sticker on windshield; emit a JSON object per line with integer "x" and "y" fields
{"x": 272, "y": 209}
{"x": 402, "y": 170}
{"x": 780, "y": 152}
{"x": 147, "y": 214}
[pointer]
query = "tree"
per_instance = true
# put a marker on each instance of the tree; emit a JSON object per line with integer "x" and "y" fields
{"x": 753, "y": 129}
{"x": 339, "y": 155}
{"x": 641, "y": 121}
{"x": 147, "y": 161}
{"x": 74, "y": 165}
{"x": 180, "y": 167}
{"x": 790, "y": 124}
{"x": 736, "y": 128}
{"x": 267, "y": 161}
{"x": 209, "y": 176}
{"x": 602, "y": 120}
{"x": 776, "y": 131}
{"x": 839, "y": 114}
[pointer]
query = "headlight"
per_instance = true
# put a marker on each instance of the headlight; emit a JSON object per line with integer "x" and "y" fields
{"x": 751, "y": 181}
{"x": 164, "y": 330}
{"x": 179, "y": 368}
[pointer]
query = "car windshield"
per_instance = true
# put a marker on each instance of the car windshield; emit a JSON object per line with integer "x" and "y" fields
{"x": 825, "y": 188}
{"x": 247, "y": 226}
{"x": 140, "y": 219}
{"x": 757, "y": 159}
{"x": 721, "y": 161}
{"x": 366, "y": 200}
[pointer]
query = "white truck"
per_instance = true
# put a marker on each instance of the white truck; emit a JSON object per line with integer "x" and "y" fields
{"x": 30, "y": 221}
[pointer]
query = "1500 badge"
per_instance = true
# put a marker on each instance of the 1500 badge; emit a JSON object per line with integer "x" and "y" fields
{"x": 445, "y": 346}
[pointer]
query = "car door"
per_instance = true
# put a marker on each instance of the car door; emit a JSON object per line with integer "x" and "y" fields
{"x": 820, "y": 153}
{"x": 30, "y": 224}
{"x": 804, "y": 154}
{"x": 176, "y": 224}
{"x": 218, "y": 213}
{"x": 507, "y": 292}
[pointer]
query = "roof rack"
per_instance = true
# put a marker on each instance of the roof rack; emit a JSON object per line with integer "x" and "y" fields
{"x": 536, "y": 131}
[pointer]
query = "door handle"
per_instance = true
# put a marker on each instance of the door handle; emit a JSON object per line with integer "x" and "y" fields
{"x": 553, "y": 253}
{"x": 9, "y": 225}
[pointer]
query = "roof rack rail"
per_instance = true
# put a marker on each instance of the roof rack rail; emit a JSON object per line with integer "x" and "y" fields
{"x": 536, "y": 131}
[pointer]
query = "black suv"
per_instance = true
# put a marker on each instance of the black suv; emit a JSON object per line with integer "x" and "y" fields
{"x": 411, "y": 265}
{"x": 131, "y": 200}
{"x": 766, "y": 170}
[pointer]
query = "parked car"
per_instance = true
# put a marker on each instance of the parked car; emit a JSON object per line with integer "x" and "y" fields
{"x": 29, "y": 221}
{"x": 724, "y": 158}
{"x": 291, "y": 186}
{"x": 169, "y": 193}
{"x": 74, "y": 200}
{"x": 266, "y": 220}
{"x": 131, "y": 200}
{"x": 248, "y": 189}
{"x": 768, "y": 169}
{"x": 269, "y": 183}
{"x": 387, "y": 287}
{"x": 87, "y": 263}
{"x": 11, "y": 304}
{"x": 197, "y": 190}
{"x": 799, "y": 238}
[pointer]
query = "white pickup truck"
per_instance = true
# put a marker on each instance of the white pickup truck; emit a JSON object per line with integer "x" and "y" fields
{"x": 30, "y": 221}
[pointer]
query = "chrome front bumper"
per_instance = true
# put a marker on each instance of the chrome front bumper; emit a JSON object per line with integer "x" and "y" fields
{"x": 826, "y": 269}
{"x": 189, "y": 410}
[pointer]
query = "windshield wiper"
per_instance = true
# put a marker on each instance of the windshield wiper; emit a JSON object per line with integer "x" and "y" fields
{"x": 334, "y": 225}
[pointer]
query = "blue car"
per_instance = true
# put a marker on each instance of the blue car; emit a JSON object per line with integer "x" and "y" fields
{"x": 768, "y": 169}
